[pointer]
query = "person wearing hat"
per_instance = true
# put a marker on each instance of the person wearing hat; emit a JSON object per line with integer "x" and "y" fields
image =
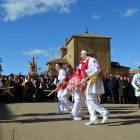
{"x": 62, "y": 89}
{"x": 42, "y": 87}
{"x": 136, "y": 85}
{"x": 10, "y": 83}
{"x": 93, "y": 70}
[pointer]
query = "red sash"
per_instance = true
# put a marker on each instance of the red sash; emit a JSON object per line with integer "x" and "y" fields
{"x": 63, "y": 85}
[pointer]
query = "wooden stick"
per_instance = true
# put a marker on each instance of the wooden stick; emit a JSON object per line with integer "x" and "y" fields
{"x": 10, "y": 93}
{"x": 53, "y": 91}
{"x": 69, "y": 83}
{"x": 6, "y": 87}
{"x": 47, "y": 90}
{"x": 78, "y": 84}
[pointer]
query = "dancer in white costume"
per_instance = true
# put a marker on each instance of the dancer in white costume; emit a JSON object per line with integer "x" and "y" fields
{"x": 136, "y": 85}
{"x": 68, "y": 69}
{"x": 62, "y": 91}
{"x": 93, "y": 70}
{"x": 79, "y": 96}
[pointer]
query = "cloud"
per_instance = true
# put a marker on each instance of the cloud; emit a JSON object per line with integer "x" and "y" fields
{"x": 24, "y": 65}
{"x": 112, "y": 51}
{"x": 129, "y": 12}
{"x": 3, "y": 66}
{"x": 34, "y": 52}
{"x": 65, "y": 10}
{"x": 16, "y": 9}
{"x": 136, "y": 64}
{"x": 55, "y": 49}
{"x": 96, "y": 16}
{"x": 37, "y": 52}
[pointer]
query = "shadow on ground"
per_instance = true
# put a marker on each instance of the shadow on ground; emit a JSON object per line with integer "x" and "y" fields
{"x": 124, "y": 120}
{"x": 5, "y": 112}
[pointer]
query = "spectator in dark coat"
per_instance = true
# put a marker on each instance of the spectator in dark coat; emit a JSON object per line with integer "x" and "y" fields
{"x": 122, "y": 90}
{"x": 131, "y": 93}
{"x": 37, "y": 85}
{"x": 42, "y": 87}
{"x": 112, "y": 84}
{"x": 106, "y": 94}
{"x": 19, "y": 90}
{"x": 28, "y": 82}
{"x": 51, "y": 87}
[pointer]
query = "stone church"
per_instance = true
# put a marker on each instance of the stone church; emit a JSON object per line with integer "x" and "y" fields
{"x": 98, "y": 45}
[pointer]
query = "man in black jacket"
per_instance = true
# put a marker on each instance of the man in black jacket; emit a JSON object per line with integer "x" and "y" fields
{"x": 112, "y": 88}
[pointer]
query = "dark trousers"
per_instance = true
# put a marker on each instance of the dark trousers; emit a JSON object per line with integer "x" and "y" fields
{"x": 131, "y": 100}
{"x": 10, "y": 98}
{"x": 112, "y": 96}
{"x": 42, "y": 95}
{"x": 122, "y": 99}
{"x": 138, "y": 98}
{"x": 29, "y": 94}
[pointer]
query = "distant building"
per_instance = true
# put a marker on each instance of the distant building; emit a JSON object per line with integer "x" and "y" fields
{"x": 98, "y": 45}
{"x": 116, "y": 69}
{"x": 132, "y": 72}
{"x": 51, "y": 65}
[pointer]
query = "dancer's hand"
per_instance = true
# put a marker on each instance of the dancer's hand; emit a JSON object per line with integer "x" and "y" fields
{"x": 59, "y": 85}
{"x": 86, "y": 79}
{"x": 138, "y": 89}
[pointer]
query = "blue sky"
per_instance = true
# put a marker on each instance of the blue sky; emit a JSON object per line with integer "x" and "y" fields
{"x": 37, "y": 27}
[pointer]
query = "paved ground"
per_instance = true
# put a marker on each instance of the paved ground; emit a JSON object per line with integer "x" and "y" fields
{"x": 37, "y": 121}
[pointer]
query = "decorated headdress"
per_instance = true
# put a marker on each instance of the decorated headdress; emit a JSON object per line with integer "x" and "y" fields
{"x": 85, "y": 51}
{"x": 59, "y": 65}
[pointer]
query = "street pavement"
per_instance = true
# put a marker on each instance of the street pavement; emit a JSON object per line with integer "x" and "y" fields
{"x": 37, "y": 121}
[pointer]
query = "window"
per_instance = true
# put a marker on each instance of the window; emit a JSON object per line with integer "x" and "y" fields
{"x": 119, "y": 73}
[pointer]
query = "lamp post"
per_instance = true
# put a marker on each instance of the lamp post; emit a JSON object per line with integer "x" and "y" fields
{"x": 0, "y": 67}
{"x": 36, "y": 64}
{"x": 39, "y": 70}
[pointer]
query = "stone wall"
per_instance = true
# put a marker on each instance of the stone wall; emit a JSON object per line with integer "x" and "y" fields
{"x": 51, "y": 68}
{"x": 70, "y": 53}
{"x": 63, "y": 51}
{"x": 114, "y": 71}
{"x": 99, "y": 47}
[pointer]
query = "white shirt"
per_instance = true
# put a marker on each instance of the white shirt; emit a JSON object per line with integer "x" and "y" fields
{"x": 92, "y": 67}
{"x": 26, "y": 80}
{"x": 62, "y": 75}
{"x": 135, "y": 81}
{"x": 55, "y": 81}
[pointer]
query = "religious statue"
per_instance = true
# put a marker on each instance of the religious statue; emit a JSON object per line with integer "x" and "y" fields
{"x": 33, "y": 66}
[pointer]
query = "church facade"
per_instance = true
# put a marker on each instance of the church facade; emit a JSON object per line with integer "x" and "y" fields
{"x": 98, "y": 45}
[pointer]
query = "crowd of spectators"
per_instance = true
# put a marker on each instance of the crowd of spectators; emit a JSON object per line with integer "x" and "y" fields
{"x": 27, "y": 89}
{"x": 118, "y": 89}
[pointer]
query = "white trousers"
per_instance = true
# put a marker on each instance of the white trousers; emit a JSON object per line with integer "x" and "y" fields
{"x": 94, "y": 105}
{"x": 78, "y": 104}
{"x": 66, "y": 101}
{"x": 63, "y": 100}
{"x": 65, "y": 105}
{"x": 60, "y": 106}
